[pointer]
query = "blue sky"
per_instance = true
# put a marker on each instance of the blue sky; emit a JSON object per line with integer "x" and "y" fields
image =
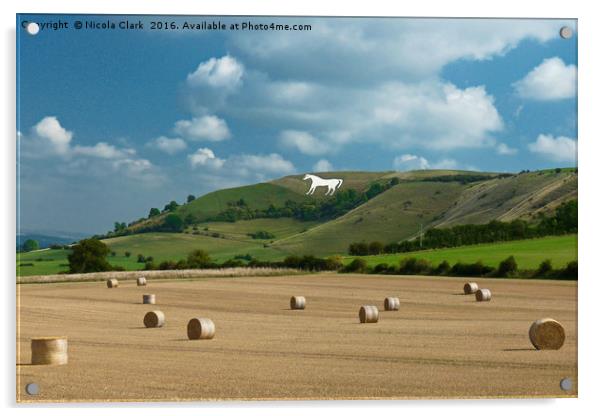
{"x": 114, "y": 122}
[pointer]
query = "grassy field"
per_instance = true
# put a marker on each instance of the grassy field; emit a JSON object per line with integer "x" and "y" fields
{"x": 168, "y": 246}
{"x": 161, "y": 246}
{"x": 528, "y": 253}
{"x": 421, "y": 200}
{"x": 391, "y": 216}
{"x": 280, "y": 227}
{"x": 440, "y": 344}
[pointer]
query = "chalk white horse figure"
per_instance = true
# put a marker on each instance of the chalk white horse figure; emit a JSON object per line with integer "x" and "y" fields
{"x": 316, "y": 181}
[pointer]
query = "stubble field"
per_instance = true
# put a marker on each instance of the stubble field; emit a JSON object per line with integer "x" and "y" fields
{"x": 439, "y": 344}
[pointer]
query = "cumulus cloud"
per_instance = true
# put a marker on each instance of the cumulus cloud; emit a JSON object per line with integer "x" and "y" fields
{"x": 557, "y": 149}
{"x": 504, "y": 149}
{"x": 56, "y": 138}
{"x": 168, "y": 145}
{"x": 49, "y": 139}
{"x": 391, "y": 94}
{"x": 435, "y": 115}
{"x": 225, "y": 72}
{"x": 410, "y": 162}
{"x": 242, "y": 166}
{"x": 303, "y": 142}
{"x": 103, "y": 150}
{"x": 413, "y": 49}
{"x": 211, "y": 128}
{"x": 323, "y": 165}
{"x": 550, "y": 80}
{"x": 205, "y": 157}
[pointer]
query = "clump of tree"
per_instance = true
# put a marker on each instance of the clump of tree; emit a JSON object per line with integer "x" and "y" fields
{"x": 198, "y": 259}
{"x": 366, "y": 249}
{"x": 261, "y": 235}
{"x": 546, "y": 271}
{"x": 465, "y": 178}
{"x": 154, "y": 212}
{"x": 89, "y": 255}
{"x": 171, "y": 207}
{"x": 312, "y": 263}
{"x": 356, "y": 266}
{"x": 507, "y": 267}
{"x": 173, "y": 223}
{"x": 30, "y": 245}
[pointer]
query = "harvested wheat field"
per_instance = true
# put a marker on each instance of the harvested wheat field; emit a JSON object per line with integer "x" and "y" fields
{"x": 440, "y": 343}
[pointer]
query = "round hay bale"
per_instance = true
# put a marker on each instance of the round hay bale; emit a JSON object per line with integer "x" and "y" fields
{"x": 298, "y": 302}
{"x": 470, "y": 288}
{"x": 201, "y": 328}
{"x": 391, "y": 304}
{"x": 154, "y": 319}
{"x": 547, "y": 334}
{"x": 141, "y": 281}
{"x": 111, "y": 283}
{"x": 368, "y": 314}
{"x": 49, "y": 351}
{"x": 483, "y": 295}
{"x": 148, "y": 299}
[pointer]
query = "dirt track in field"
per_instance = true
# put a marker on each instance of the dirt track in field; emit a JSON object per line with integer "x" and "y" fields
{"x": 439, "y": 344}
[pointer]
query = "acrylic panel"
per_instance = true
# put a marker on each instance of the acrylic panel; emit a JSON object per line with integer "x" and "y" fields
{"x": 305, "y": 208}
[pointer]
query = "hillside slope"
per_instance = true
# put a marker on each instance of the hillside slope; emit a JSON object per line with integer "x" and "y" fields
{"x": 400, "y": 212}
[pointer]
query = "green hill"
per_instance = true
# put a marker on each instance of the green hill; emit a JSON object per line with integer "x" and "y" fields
{"x": 416, "y": 202}
{"x": 419, "y": 200}
{"x": 403, "y": 204}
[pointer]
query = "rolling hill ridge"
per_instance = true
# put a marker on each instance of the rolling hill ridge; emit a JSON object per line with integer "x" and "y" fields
{"x": 416, "y": 201}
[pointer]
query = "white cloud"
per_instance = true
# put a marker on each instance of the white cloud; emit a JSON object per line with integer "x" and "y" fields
{"x": 205, "y": 157}
{"x": 168, "y": 145}
{"x": 434, "y": 115}
{"x": 50, "y": 130}
{"x": 239, "y": 167}
{"x": 410, "y": 162}
{"x": 290, "y": 91}
{"x": 550, "y": 80}
{"x": 272, "y": 163}
{"x": 225, "y": 72}
{"x": 391, "y": 95}
{"x": 103, "y": 150}
{"x": 211, "y": 128}
{"x": 304, "y": 142}
{"x": 504, "y": 149}
{"x": 558, "y": 149}
{"x": 50, "y": 139}
{"x": 413, "y": 49}
{"x": 323, "y": 165}
{"x": 134, "y": 166}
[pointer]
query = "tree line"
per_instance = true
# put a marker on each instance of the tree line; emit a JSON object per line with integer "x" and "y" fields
{"x": 91, "y": 256}
{"x": 507, "y": 268}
